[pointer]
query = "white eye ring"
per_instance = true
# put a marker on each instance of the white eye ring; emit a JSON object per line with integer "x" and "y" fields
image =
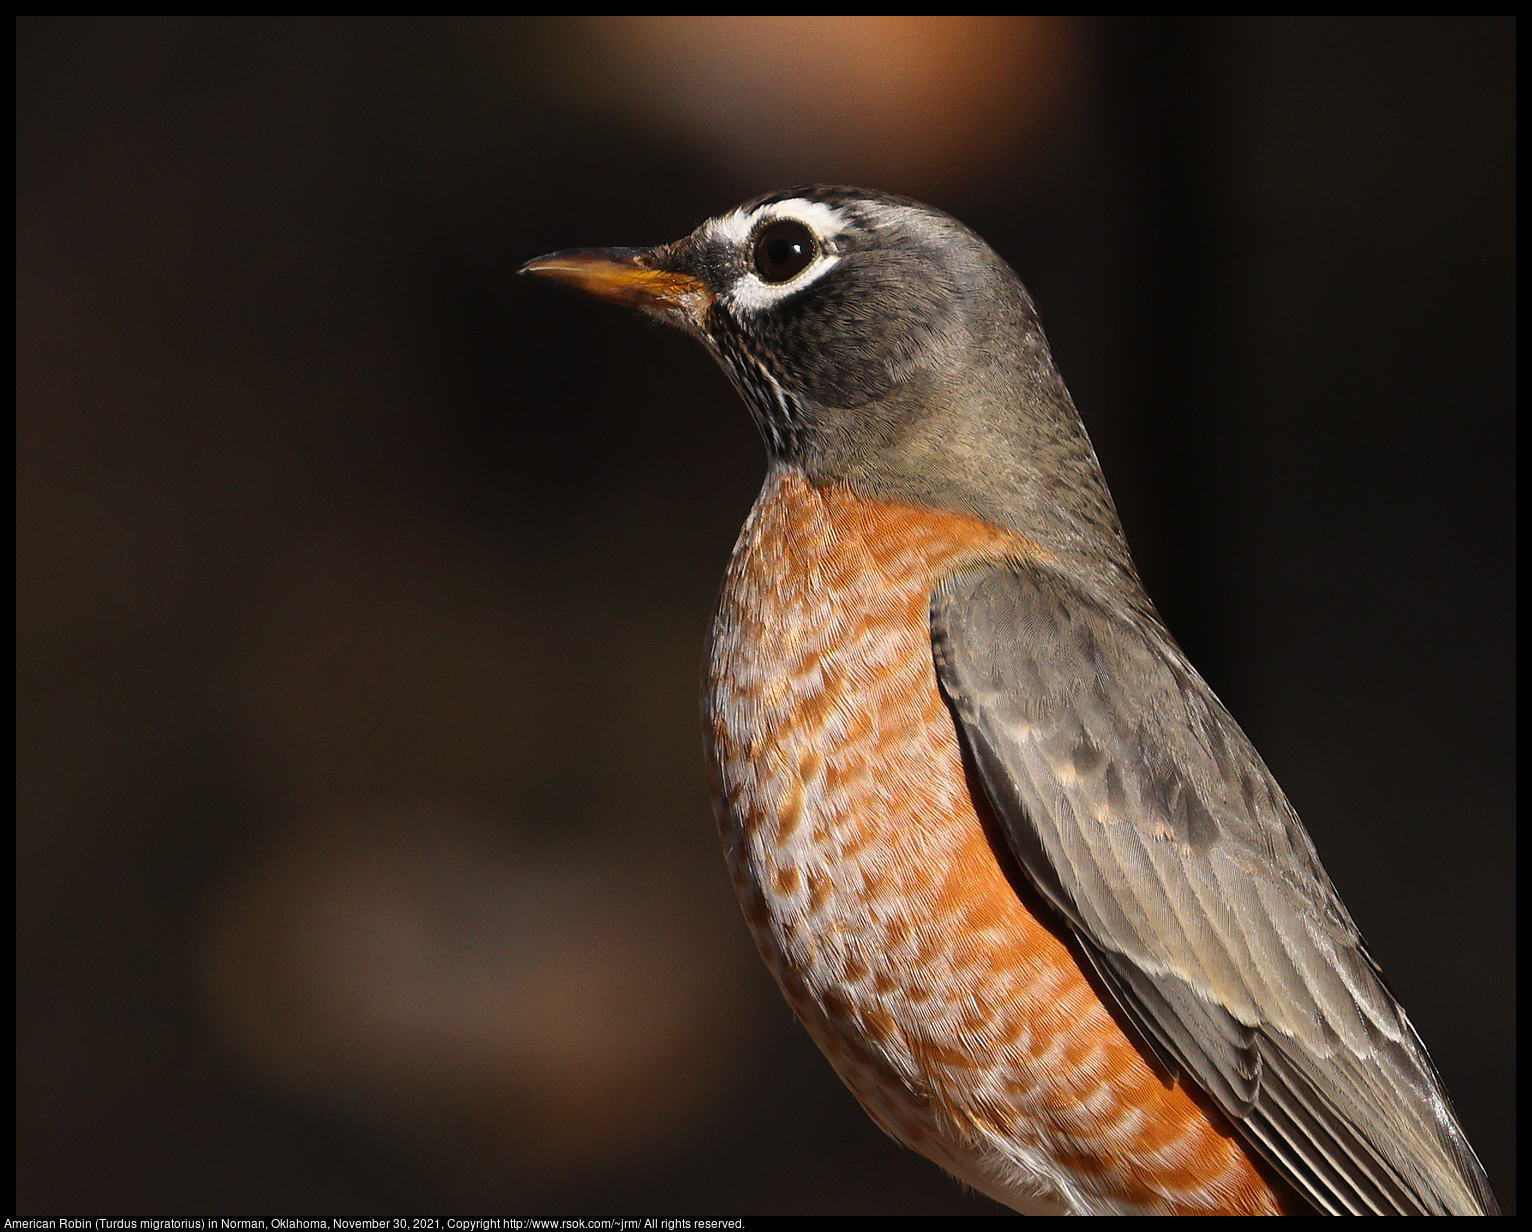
{"x": 750, "y": 293}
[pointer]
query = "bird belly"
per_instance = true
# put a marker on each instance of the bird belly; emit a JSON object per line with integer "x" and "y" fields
{"x": 957, "y": 1017}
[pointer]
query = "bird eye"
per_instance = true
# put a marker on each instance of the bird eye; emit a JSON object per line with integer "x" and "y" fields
{"x": 783, "y": 251}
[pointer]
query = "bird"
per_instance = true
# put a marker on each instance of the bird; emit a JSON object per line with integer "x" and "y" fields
{"x": 1017, "y": 870}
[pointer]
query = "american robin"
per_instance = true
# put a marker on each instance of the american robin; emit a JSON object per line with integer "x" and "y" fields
{"x": 1025, "y": 881}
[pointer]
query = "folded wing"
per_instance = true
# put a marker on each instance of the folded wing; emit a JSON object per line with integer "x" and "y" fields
{"x": 1142, "y": 813}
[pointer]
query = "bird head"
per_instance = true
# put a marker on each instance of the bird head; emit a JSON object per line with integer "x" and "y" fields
{"x": 881, "y": 344}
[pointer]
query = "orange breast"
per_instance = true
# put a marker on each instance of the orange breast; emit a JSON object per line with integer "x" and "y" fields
{"x": 958, "y": 1018}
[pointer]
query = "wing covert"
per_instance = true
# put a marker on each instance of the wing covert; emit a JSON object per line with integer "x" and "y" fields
{"x": 1142, "y": 813}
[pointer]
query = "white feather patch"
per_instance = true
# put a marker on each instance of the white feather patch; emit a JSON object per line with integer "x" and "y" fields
{"x": 750, "y": 293}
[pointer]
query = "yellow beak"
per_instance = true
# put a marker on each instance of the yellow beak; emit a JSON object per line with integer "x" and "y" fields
{"x": 630, "y": 276}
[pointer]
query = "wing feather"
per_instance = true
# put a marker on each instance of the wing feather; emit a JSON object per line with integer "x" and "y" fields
{"x": 1143, "y": 815}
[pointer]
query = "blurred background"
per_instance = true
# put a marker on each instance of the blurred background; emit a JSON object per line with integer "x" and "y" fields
{"x": 365, "y": 860}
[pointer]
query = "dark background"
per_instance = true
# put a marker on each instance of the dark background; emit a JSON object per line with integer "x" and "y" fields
{"x": 365, "y": 862}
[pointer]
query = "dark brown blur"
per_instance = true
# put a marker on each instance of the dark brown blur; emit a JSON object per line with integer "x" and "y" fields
{"x": 365, "y": 861}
